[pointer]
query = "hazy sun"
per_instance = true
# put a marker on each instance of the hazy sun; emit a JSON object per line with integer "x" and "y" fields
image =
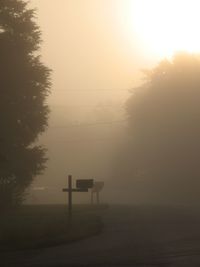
{"x": 166, "y": 26}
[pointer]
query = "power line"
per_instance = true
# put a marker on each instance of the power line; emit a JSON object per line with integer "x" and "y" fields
{"x": 88, "y": 124}
{"x": 87, "y": 106}
{"x": 92, "y": 90}
{"x": 87, "y": 140}
{"x": 110, "y": 140}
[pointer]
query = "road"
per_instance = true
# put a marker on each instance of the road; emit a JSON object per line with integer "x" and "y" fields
{"x": 132, "y": 236}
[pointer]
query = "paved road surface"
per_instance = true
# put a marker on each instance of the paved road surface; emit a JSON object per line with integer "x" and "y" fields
{"x": 133, "y": 236}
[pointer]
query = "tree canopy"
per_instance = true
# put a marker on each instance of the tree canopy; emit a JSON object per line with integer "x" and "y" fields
{"x": 165, "y": 128}
{"x": 24, "y": 86}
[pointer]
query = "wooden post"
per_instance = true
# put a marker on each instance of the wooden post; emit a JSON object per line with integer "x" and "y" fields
{"x": 81, "y": 186}
{"x": 98, "y": 200}
{"x": 70, "y": 196}
{"x": 92, "y": 197}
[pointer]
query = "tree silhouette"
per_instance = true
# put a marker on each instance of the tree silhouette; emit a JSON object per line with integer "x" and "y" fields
{"x": 24, "y": 86}
{"x": 165, "y": 126}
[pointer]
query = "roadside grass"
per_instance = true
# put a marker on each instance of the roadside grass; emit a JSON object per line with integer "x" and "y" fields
{"x": 48, "y": 225}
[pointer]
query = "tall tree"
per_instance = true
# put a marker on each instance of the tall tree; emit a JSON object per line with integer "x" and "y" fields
{"x": 24, "y": 86}
{"x": 164, "y": 121}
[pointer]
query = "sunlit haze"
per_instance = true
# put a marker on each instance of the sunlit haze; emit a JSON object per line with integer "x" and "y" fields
{"x": 106, "y": 43}
{"x": 100, "y": 133}
{"x": 166, "y": 27}
{"x": 96, "y": 50}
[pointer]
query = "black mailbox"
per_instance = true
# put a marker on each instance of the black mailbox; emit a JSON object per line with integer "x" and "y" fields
{"x": 85, "y": 183}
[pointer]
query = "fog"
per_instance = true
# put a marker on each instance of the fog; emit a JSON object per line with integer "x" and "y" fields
{"x": 96, "y": 62}
{"x": 100, "y": 133}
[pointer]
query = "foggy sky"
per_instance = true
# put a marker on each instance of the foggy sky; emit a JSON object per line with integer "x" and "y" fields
{"x": 96, "y": 58}
{"x": 94, "y": 55}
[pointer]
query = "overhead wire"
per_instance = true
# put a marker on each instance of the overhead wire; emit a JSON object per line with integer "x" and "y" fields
{"x": 88, "y": 124}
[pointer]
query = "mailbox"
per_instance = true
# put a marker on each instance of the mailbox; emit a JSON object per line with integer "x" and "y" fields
{"x": 85, "y": 183}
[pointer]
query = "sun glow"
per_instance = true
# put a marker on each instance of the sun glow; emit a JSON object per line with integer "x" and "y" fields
{"x": 166, "y": 26}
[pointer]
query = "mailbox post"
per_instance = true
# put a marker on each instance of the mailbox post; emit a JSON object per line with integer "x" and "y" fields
{"x": 81, "y": 186}
{"x": 97, "y": 187}
{"x": 70, "y": 195}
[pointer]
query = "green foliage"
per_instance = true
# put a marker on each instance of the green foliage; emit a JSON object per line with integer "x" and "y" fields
{"x": 164, "y": 121}
{"x": 24, "y": 86}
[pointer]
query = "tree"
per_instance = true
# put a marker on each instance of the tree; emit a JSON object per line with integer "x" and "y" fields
{"x": 24, "y": 86}
{"x": 164, "y": 119}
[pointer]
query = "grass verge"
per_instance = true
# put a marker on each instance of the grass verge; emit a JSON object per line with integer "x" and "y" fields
{"x": 48, "y": 225}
